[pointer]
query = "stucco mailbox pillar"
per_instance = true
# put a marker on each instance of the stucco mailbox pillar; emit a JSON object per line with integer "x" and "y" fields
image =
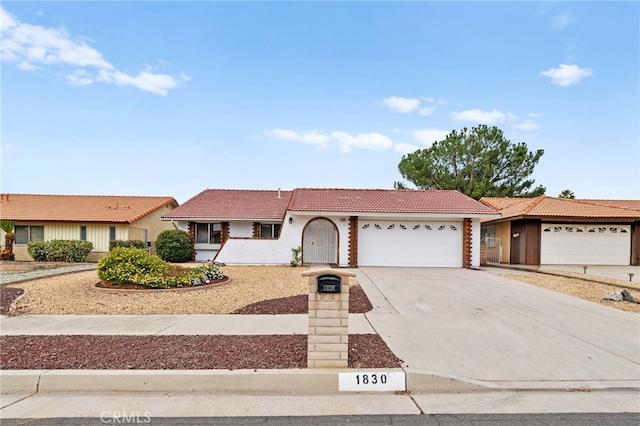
{"x": 328, "y": 339}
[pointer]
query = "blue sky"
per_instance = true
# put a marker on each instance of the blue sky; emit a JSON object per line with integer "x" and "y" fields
{"x": 170, "y": 98}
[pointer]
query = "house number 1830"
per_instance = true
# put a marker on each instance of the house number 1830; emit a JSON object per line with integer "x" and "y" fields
{"x": 381, "y": 381}
{"x": 365, "y": 379}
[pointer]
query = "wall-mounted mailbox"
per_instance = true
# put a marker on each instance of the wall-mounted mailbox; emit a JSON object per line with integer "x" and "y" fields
{"x": 329, "y": 283}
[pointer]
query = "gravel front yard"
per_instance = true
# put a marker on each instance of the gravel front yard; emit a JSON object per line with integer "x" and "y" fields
{"x": 179, "y": 352}
{"x": 253, "y": 290}
{"x": 74, "y": 294}
{"x": 587, "y": 290}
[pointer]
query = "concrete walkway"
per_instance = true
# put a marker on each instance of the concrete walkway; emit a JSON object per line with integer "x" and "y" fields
{"x": 142, "y": 325}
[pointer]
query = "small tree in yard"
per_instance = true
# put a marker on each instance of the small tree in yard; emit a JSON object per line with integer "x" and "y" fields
{"x": 479, "y": 162}
{"x": 174, "y": 246}
{"x": 8, "y": 227}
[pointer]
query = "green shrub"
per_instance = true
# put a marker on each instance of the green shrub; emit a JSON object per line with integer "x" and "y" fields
{"x": 59, "y": 250}
{"x": 174, "y": 246}
{"x": 127, "y": 243}
{"x": 124, "y": 265}
{"x": 210, "y": 271}
{"x": 38, "y": 250}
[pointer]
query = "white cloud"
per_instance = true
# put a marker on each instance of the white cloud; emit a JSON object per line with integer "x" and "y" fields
{"x": 34, "y": 46}
{"x": 561, "y": 21}
{"x": 479, "y": 116}
{"x": 405, "y": 148}
{"x": 399, "y": 104}
{"x": 526, "y": 125}
{"x": 371, "y": 141}
{"x": 313, "y": 137}
{"x": 79, "y": 78}
{"x": 426, "y": 111}
{"x": 158, "y": 84}
{"x": 534, "y": 115}
{"x": 567, "y": 75}
{"x": 427, "y": 137}
{"x": 512, "y": 116}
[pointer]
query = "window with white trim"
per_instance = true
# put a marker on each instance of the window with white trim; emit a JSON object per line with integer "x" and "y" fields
{"x": 83, "y": 233}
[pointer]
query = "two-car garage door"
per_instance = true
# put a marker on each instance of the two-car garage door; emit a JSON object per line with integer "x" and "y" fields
{"x": 401, "y": 243}
{"x": 575, "y": 244}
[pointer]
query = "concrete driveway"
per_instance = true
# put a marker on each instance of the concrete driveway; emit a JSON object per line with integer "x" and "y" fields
{"x": 481, "y": 328}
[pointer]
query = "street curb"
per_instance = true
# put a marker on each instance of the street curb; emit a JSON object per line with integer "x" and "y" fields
{"x": 292, "y": 381}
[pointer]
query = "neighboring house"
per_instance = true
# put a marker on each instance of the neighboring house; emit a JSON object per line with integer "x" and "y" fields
{"x": 94, "y": 218}
{"x": 547, "y": 230}
{"x": 344, "y": 227}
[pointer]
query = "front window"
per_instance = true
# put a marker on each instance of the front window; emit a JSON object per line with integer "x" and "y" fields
{"x": 26, "y": 233}
{"x": 269, "y": 230}
{"x": 208, "y": 233}
{"x": 83, "y": 233}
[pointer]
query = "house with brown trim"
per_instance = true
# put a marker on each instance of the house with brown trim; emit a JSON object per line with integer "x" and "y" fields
{"x": 342, "y": 227}
{"x": 560, "y": 231}
{"x": 94, "y": 218}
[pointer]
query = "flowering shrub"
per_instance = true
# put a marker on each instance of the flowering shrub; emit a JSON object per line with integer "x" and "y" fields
{"x": 210, "y": 271}
{"x": 124, "y": 265}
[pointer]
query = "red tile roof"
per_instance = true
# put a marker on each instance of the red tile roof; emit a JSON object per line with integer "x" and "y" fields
{"x": 232, "y": 204}
{"x": 545, "y": 207}
{"x": 386, "y": 201}
{"x": 79, "y": 208}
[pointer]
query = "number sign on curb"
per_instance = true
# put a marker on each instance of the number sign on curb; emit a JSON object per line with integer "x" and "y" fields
{"x": 381, "y": 381}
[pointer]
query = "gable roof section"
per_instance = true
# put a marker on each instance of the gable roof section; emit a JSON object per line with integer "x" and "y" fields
{"x": 548, "y": 207}
{"x": 229, "y": 204}
{"x": 79, "y": 208}
{"x": 386, "y": 201}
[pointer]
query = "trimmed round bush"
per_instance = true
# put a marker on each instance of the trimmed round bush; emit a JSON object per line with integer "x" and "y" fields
{"x": 174, "y": 246}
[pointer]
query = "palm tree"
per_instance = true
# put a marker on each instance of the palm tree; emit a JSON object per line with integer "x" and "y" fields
{"x": 9, "y": 237}
{"x": 567, "y": 194}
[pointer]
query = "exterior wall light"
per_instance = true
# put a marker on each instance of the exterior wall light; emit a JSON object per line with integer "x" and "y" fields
{"x": 290, "y": 220}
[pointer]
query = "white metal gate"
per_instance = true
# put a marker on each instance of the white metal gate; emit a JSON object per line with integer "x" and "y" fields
{"x": 320, "y": 243}
{"x": 493, "y": 247}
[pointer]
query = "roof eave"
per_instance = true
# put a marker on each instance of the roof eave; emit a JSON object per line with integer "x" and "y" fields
{"x": 392, "y": 215}
{"x": 219, "y": 219}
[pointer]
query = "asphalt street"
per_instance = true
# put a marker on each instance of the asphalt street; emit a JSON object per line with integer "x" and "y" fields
{"x": 521, "y": 419}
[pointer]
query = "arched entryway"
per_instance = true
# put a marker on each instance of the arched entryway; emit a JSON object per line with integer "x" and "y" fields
{"x": 320, "y": 242}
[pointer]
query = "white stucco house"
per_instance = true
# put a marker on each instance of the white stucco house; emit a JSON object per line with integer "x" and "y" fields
{"x": 341, "y": 227}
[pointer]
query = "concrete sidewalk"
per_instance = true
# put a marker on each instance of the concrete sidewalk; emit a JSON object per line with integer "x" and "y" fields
{"x": 143, "y": 325}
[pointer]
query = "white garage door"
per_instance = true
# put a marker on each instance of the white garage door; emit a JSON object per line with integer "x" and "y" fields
{"x": 398, "y": 243}
{"x": 585, "y": 244}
